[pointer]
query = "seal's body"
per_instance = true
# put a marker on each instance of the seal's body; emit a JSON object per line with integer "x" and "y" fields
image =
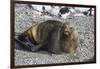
{"x": 56, "y": 36}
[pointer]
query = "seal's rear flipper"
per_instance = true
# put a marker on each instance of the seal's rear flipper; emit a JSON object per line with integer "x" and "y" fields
{"x": 27, "y": 44}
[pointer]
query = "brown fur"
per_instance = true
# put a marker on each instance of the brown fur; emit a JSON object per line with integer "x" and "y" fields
{"x": 56, "y": 36}
{"x": 70, "y": 39}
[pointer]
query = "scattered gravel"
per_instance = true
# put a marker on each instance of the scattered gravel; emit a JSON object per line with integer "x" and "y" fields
{"x": 26, "y": 17}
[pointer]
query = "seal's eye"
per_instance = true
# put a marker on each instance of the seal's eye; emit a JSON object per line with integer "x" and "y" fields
{"x": 72, "y": 29}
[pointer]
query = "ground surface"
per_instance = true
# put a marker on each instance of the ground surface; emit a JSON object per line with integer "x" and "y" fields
{"x": 25, "y": 17}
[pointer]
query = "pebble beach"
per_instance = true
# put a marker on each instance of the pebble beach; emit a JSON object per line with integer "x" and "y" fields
{"x": 26, "y": 17}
